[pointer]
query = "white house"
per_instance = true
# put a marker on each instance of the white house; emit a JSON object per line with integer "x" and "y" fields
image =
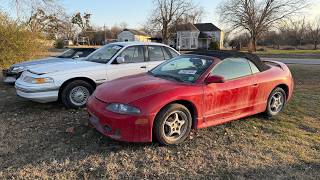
{"x": 198, "y": 36}
{"x": 128, "y": 35}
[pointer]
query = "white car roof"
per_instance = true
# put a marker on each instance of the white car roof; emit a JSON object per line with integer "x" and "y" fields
{"x": 135, "y": 43}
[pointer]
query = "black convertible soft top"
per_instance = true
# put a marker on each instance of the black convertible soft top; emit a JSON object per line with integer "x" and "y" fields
{"x": 234, "y": 54}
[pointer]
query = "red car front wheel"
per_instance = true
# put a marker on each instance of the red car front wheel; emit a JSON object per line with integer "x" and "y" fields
{"x": 172, "y": 124}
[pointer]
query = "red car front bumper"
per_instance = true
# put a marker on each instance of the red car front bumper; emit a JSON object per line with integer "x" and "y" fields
{"x": 128, "y": 128}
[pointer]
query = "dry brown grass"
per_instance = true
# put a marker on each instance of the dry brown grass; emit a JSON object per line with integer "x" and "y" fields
{"x": 34, "y": 143}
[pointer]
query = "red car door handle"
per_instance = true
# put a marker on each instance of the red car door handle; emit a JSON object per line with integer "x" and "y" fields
{"x": 255, "y": 85}
{"x": 143, "y": 67}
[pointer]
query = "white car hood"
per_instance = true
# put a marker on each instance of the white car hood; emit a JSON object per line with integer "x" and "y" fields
{"x": 63, "y": 67}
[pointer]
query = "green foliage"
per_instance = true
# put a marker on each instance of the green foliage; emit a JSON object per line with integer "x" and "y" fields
{"x": 214, "y": 45}
{"x": 17, "y": 42}
{"x": 82, "y": 21}
{"x": 59, "y": 44}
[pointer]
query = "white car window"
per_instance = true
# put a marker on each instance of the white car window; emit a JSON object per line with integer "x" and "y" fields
{"x": 133, "y": 54}
{"x": 155, "y": 53}
{"x": 104, "y": 54}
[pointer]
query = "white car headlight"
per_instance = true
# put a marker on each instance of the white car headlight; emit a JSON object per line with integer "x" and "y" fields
{"x": 33, "y": 80}
{"x": 122, "y": 109}
{"x": 17, "y": 69}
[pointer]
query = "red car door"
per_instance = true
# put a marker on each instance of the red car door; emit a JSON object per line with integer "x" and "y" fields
{"x": 234, "y": 97}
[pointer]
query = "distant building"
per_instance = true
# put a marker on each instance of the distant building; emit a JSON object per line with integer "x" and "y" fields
{"x": 133, "y": 35}
{"x": 198, "y": 36}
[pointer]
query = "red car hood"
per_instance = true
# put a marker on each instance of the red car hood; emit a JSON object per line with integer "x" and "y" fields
{"x": 131, "y": 88}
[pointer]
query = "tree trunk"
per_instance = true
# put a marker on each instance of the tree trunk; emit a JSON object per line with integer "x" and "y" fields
{"x": 315, "y": 45}
{"x": 165, "y": 38}
{"x": 253, "y": 43}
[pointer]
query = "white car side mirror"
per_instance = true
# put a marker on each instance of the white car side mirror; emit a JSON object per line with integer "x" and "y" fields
{"x": 120, "y": 60}
{"x": 76, "y": 57}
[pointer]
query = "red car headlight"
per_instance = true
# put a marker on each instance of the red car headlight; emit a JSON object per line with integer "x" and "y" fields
{"x": 122, "y": 108}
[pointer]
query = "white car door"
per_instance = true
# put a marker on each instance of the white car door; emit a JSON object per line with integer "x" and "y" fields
{"x": 156, "y": 56}
{"x": 134, "y": 63}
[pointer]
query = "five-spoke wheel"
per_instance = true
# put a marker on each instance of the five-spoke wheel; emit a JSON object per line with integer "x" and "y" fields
{"x": 276, "y": 102}
{"x": 172, "y": 124}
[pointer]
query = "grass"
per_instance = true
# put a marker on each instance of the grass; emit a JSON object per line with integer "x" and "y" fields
{"x": 34, "y": 144}
{"x": 288, "y": 52}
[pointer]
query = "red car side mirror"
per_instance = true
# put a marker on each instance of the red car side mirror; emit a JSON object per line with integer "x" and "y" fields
{"x": 215, "y": 79}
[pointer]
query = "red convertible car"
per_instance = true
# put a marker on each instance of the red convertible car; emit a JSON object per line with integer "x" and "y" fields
{"x": 196, "y": 90}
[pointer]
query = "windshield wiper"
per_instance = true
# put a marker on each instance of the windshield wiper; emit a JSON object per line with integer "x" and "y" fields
{"x": 95, "y": 61}
{"x": 168, "y": 76}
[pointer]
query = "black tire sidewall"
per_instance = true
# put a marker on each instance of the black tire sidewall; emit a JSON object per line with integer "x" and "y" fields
{"x": 160, "y": 119}
{"x": 65, "y": 97}
{"x": 268, "y": 111}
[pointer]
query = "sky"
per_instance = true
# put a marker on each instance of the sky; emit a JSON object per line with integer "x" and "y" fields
{"x": 136, "y": 12}
{"x": 133, "y": 12}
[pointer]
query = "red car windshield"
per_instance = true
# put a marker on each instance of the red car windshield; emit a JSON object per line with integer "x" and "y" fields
{"x": 182, "y": 68}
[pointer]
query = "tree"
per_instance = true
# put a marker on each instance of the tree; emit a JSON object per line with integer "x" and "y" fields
{"x": 298, "y": 31}
{"x": 258, "y": 16}
{"x": 123, "y": 25}
{"x": 194, "y": 16}
{"x": 314, "y": 33}
{"x": 48, "y": 24}
{"x": 26, "y": 5}
{"x": 17, "y": 42}
{"x": 166, "y": 13}
{"x": 83, "y": 22}
{"x": 115, "y": 30}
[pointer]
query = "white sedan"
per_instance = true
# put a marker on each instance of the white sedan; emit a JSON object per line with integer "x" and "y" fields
{"x": 73, "y": 82}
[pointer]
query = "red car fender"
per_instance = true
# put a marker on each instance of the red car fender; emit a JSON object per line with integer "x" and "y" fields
{"x": 192, "y": 99}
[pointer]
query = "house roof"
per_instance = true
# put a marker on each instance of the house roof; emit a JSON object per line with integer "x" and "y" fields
{"x": 204, "y": 35}
{"x": 187, "y": 27}
{"x": 206, "y": 27}
{"x": 136, "y": 32}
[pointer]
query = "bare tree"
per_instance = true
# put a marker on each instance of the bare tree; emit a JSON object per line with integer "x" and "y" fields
{"x": 166, "y": 13}
{"x": 193, "y": 16}
{"x": 314, "y": 33}
{"x": 115, "y": 30}
{"x": 25, "y": 6}
{"x": 123, "y": 25}
{"x": 258, "y": 16}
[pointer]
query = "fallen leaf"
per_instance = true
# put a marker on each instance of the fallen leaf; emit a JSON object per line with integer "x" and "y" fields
{"x": 70, "y": 130}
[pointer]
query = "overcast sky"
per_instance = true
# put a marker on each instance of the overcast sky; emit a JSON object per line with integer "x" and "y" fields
{"x": 135, "y": 12}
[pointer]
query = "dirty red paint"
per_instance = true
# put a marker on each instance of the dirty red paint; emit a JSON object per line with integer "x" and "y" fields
{"x": 212, "y": 104}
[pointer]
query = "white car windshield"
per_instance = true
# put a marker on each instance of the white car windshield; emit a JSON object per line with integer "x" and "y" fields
{"x": 104, "y": 54}
{"x": 67, "y": 54}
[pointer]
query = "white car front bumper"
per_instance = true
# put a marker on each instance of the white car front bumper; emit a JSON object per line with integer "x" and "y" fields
{"x": 39, "y": 93}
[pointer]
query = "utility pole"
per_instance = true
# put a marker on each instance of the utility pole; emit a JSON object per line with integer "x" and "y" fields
{"x": 105, "y": 34}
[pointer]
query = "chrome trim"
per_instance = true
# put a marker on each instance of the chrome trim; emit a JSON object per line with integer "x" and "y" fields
{"x": 46, "y": 89}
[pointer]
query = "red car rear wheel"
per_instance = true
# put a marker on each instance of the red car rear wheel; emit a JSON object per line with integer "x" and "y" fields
{"x": 276, "y": 102}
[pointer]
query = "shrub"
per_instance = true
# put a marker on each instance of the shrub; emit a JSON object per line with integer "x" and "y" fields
{"x": 59, "y": 44}
{"x": 214, "y": 45}
{"x": 17, "y": 43}
{"x": 261, "y": 49}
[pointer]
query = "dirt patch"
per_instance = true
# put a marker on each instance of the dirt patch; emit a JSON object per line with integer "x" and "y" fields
{"x": 47, "y": 140}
